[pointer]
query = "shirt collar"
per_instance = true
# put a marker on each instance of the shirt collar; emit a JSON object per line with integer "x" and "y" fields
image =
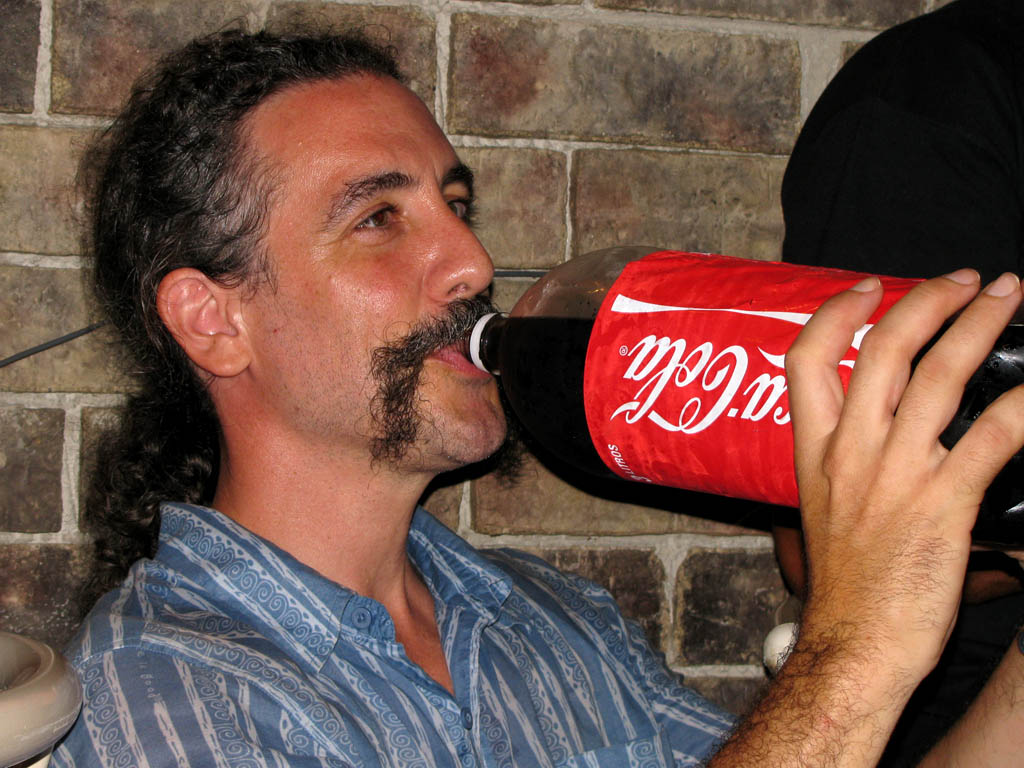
{"x": 453, "y": 569}
{"x": 250, "y": 579}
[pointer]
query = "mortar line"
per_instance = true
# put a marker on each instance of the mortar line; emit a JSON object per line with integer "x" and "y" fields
{"x": 69, "y": 474}
{"x": 746, "y": 671}
{"x": 41, "y": 260}
{"x": 570, "y": 158}
{"x": 44, "y": 61}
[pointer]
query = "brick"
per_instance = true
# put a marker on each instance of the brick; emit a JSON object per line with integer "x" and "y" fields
{"x": 737, "y": 695}
{"x": 633, "y": 577}
{"x": 869, "y": 14}
{"x": 95, "y": 423}
{"x": 101, "y": 46}
{"x": 544, "y": 503}
{"x": 507, "y": 291}
{"x": 726, "y": 604}
{"x": 443, "y": 499}
{"x": 409, "y": 30}
{"x": 19, "y": 41}
{"x": 521, "y": 194}
{"x": 30, "y": 469}
{"x": 39, "y": 205}
{"x": 42, "y": 592}
{"x": 576, "y": 80}
{"x": 37, "y": 305}
{"x": 687, "y": 201}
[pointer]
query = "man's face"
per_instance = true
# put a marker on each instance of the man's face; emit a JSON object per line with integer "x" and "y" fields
{"x": 368, "y": 240}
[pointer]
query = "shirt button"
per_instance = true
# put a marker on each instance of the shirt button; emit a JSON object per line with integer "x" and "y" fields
{"x": 361, "y": 618}
{"x": 467, "y": 718}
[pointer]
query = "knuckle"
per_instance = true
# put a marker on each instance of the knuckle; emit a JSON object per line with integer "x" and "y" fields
{"x": 990, "y": 435}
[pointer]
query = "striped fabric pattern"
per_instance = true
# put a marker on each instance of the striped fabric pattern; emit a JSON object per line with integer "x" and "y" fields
{"x": 226, "y": 651}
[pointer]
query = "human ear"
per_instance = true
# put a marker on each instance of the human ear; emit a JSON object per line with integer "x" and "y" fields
{"x": 204, "y": 318}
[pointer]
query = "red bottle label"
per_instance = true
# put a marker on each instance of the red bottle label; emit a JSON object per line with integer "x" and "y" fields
{"x": 685, "y": 383}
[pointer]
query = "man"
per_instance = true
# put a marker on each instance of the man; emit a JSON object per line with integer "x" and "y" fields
{"x": 281, "y": 235}
{"x": 908, "y": 165}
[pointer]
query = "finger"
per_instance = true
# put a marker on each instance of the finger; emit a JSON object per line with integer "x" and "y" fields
{"x": 935, "y": 391}
{"x": 815, "y": 389}
{"x": 994, "y": 437}
{"x": 880, "y": 377}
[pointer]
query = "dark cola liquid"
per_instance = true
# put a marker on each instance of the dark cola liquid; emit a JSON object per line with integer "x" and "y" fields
{"x": 541, "y": 363}
{"x": 1001, "y": 520}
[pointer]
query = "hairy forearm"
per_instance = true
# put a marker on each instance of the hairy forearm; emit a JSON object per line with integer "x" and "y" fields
{"x": 828, "y": 707}
{"x": 990, "y": 733}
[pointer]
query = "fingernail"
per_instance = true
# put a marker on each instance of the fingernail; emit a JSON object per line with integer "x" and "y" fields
{"x": 866, "y": 285}
{"x": 964, "y": 276}
{"x": 1004, "y": 285}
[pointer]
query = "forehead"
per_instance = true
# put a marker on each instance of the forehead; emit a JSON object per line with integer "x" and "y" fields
{"x": 365, "y": 121}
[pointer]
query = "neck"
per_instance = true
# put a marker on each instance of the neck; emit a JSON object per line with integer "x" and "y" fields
{"x": 338, "y": 514}
{"x": 347, "y": 520}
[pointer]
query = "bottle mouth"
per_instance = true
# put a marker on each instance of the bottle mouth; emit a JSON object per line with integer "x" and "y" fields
{"x": 474, "y": 341}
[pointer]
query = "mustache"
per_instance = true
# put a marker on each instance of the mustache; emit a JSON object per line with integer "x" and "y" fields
{"x": 398, "y": 366}
{"x": 431, "y": 334}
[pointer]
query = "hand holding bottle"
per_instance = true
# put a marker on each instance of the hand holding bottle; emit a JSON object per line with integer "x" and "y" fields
{"x": 887, "y": 510}
{"x": 887, "y": 513}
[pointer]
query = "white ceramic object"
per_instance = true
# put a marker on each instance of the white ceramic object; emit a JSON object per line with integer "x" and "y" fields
{"x": 40, "y": 697}
{"x": 777, "y": 645}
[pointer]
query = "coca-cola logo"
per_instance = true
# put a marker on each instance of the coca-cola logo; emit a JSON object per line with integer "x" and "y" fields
{"x": 729, "y": 381}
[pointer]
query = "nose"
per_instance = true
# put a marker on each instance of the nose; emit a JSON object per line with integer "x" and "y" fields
{"x": 462, "y": 267}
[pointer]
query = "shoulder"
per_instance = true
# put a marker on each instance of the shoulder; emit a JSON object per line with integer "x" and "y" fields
{"x": 166, "y": 696}
{"x": 537, "y": 578}
{"x": 959, "y": 66}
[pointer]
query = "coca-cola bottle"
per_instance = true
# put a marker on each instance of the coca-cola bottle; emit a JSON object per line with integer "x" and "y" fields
{"x": 667, "y": 367}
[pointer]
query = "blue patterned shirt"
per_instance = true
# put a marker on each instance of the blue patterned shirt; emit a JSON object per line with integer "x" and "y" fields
{"x": 226, "y": 651}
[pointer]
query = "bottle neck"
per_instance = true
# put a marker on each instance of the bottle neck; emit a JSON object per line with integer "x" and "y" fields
{"x": 483, "y": 342}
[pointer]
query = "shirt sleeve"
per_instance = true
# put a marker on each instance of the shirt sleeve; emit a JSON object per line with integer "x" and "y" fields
{"x": 689, "y": 725}
{"x": 146, "y": 708}
{"x": 693, "y": 725}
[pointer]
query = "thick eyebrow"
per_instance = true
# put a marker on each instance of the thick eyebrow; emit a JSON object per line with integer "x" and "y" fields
{"x": 360, "y": 190}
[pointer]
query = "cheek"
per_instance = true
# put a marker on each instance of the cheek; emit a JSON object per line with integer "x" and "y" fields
{"x": 376, "y": 307}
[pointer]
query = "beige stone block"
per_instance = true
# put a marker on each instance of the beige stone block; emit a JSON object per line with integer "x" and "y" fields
{"x": 40, "y": 209}
{"x": 37, "y": 305}
{"x": 685, "y": 201}
{"x": 31, "y": 450}
{"x": 42, "y": 592}
{"x": 19, "y": 41}
{"x": 543, "y": 502}
{"x": 96, "y": 423}
{"x": 101, "y": 46}
{"x": 507, "y": 291}
{"x": 580, "y": 80}
{"x": 521, "y": 205}
{"x": 725, "y": 605}
{"x": 409, "y": 31}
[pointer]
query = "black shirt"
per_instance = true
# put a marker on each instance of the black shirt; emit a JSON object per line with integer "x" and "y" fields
{"x": 912, "y": 161}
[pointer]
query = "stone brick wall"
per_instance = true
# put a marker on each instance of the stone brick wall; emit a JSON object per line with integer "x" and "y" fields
{"x": 590, "y": 123}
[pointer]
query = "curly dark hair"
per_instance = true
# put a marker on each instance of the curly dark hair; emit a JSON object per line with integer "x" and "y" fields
{"x": 173, "y": 184}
